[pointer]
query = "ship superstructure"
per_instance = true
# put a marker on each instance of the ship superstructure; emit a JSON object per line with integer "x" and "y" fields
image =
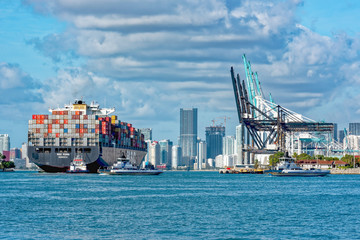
{"x": 55, "y": 139}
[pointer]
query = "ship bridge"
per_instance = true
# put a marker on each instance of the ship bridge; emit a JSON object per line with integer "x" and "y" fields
{"x": 81, "y": 106}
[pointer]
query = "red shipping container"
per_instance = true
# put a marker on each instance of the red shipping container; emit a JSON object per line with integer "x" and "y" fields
{"x": 61, "y": 112}
{"x": 108, "y": 119}
{"x": 81, "y": 126}
{"x": 66, "y": 113}
{"x": 57, "y": 135}
{"x": 57, "y": 121}
{"x": 81, "y": 130}
{"x": 97, "y": 130}
{"x": 38, "y": 121}
{"x": 61, "y": 125}
{"x": 46, "y": 117}
{"x": 85, "y": 130}
{"x": 77, "y": 113}
{"x": 80, "y": 113}
{"x": 49, "y": 126}
{"x": 85, "y": 116}
{"x": 33, "y": 116}
{"x": 45, "y": 135}
{"x": 97, "y": 126}
{"x": 81, "y": 135}
{"x": 53, "y": 121}
{"x": 41, "y": 121}
{"x": 73, "y": 117}
{"x": 77, "y": 130}
{"x": 42, "y": 117}
{"x": 49, "y": 130}
{"x": 38, "y": 130}
{"x": 65, "y": 121}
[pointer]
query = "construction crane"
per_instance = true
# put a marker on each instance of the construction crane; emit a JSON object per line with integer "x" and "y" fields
{"x": 221, "y": 124}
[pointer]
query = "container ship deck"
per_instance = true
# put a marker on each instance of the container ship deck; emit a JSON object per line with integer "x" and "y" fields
{"x": 54, "y": 140}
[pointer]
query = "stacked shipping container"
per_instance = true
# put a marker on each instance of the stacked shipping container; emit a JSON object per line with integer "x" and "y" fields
{"x": 75, "y": 128}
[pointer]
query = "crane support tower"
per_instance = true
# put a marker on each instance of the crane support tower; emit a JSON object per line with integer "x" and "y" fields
{"x": 267, "y": 123}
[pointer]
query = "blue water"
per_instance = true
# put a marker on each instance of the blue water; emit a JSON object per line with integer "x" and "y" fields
{"x": 178, "y": 205}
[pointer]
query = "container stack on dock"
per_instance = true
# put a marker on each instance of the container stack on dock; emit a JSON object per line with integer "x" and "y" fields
{"x": 75, "y": 128}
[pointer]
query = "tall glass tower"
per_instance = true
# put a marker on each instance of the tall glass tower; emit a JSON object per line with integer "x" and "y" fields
{"x": 188, "y": 134}
{"x": 214, "y": 140}
{"x": 354, "y": 129}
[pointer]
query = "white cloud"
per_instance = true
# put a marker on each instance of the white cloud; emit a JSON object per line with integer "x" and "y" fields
{"x": 154, "y": 57}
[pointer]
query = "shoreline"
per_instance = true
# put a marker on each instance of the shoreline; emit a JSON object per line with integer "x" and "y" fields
{"x": 353, "y": 171}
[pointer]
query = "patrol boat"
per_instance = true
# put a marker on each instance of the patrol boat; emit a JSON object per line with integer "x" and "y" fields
{"x": 123, "y": 166}
{"x": 288, "y": 168}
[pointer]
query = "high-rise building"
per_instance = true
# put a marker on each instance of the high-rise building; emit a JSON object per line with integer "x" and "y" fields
{"x": 165, "y": 151}
{"x": 228, "y": 145}
{"x": 175, "y": 156}
{"x": 24, "y": 154}
{"x": 354, "y": 129}
{"x": 147, "y": 132}
{"x": 239, "y": 143}
{"x": 214, "y": 140}
{"x": 154, "y": 153}
{"x": 341, "y": 136}
{"x": 4, "y": 143}
{"x": 335, "y": 132}
{"x": 15, "y": 153}
{"x": 352, "y": 142}
{"x": 201, "y": 155}
{"x": 188, "y": 134}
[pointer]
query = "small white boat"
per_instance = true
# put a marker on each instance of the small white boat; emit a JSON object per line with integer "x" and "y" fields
{"x": 77, "y": 165}
{"x": 123, "y": 166}
{"x": 288, "y": 168}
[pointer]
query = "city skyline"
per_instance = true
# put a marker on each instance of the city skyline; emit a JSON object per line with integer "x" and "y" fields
{"x": 148, "y": 62}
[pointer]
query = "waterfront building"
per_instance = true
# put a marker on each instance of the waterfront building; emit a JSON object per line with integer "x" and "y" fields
{"x": 188, "y": 134}
{"x": 6, "y": 154}
{"x": 15, "y": 153}
{"x": 214, "y": 140}
{"x": 229, "y": 160}
{"x": 211, "y": 162}
{"x": 4, "y": 142}
{"x": 201, "y": 155}
{"x": 154, "y": 153}
{"x": 24, "y": 154}
{"x": 165, "y": 151}
{"x": 147, "y": 132}
{"x": 354, "y": 129}
{"x": 352, "y": 142}
{"x": 176, "y": 156}
{"x": 219, "y": 161}
{"x": 228, "y": 145}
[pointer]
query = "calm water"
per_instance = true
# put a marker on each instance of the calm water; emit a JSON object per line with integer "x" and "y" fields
{"x": 178, "y": 205}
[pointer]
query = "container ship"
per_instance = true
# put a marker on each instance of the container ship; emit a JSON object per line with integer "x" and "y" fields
{"x": 54, "y": 140}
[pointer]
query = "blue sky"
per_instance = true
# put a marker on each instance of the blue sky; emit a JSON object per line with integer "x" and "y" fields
{"x": 150, "y": 58}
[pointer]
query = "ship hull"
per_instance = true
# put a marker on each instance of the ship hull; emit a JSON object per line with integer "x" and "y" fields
{"x": 58, "y": 159}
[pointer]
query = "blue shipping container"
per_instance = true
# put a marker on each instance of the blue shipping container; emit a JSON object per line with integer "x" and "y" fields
{"x": 77, "y": 126}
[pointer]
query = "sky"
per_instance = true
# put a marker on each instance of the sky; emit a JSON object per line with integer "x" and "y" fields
{"x": 150, "y": 58}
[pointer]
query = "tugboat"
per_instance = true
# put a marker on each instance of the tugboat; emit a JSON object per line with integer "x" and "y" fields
{"x": 123, "y": 166}
{"x": 77, "y": 165}
{"x": 288, "y": 168}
